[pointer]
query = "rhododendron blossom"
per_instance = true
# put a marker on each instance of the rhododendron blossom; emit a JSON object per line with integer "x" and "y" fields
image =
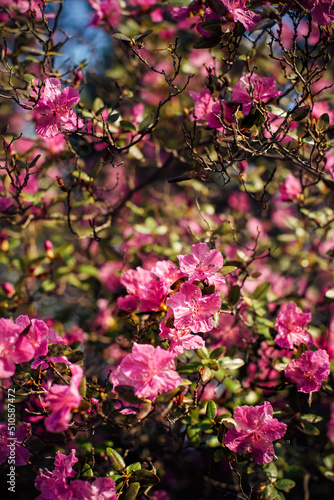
{"x": 254, "y": 88}
{"x": 255, "y": 431}
{"x": 55, "y": 106}
{"x": 150, "y": 371}
{"x": 54, "y": 485}
{"x": 61, "y": 400}
{"x": 290, "y": 325}
{"x": 106, "y": 11}
{"x": 19, "y": 436}
{"x": 322, "y": 11}
{"x": 202, "y": 263}
{"x": 309, "y": 371}
{"x": 14, "y": 347}
{"x": 192, "y": 310}
{"x": 203, "y": 104}
{"x": 330, "y": 425}
{"x": 180, "y": 340}
{"x": 239, "y": 11}
{"x": 291, "y": 189}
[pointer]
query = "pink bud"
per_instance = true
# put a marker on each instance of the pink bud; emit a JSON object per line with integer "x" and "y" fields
{"x": 8, "y": 288}
{"x": 49, "y": 248}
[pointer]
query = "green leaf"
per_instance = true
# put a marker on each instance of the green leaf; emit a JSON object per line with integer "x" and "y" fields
{"x": 323, "y": 123}
{"x": 134, "y": 466}
{"x": 75, "y": 356}
{"x": 228, "y": 270}
{"x": 231, "y": 364}
{"x": 144, "y": 477}
{"x": 234, "y": 295}
{"x": 29, "y": 78}
{"x": 145, "y": 409}
{"x": 169, "y": 395}
{"x": 189, "y": 368}
{"x": 207, "y": 43}
{"x": 98, "y": 105}
{"x": 308, "y": 429}
{"x": 126, "y": 125}
{"x": 211, "y": 410}
{"x": 275, "y": 110}
{"x": 269, "y": 493}
{"x": 330, "y": 294}
{"x": 300, "y": 113}
{"x": 89, "y": 270}
{"x": 261, "y": 291}
{"x": 285, "y": 484}
{"x": 115, "y": 459}
{"x": 56, "y": 350}
{"x": 216, "y": 353}
{"x": 138, "y": 38}
{"x": 131, "y": 492}
{"x": 87, "y": 471}
{"x": 313, "y": 419}
{"x": 194, "y": 435}
{"x": 126, "y": 392}
{"x": 120, "y": 36}
{"x": 113, "y": 118}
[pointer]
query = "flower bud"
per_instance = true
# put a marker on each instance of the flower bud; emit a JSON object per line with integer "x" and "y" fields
{"x": 8, "y": 289}
{"x": 49, "y": 249}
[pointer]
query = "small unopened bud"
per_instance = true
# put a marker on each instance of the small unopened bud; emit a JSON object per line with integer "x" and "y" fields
{"x": 77, "y": 78}
{"x": 49, "y": 249}
{"x": 8, "y": 289}
{"x": 4, "y": 245}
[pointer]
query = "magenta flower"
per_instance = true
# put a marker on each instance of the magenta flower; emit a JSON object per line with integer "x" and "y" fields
{"x": 55, "y": 106}
{"x": 61, "y": 400}
{"x": 150, "y": 371}
{"x": 255, "y": 432}
{"x": 193, "y": 311}
{"x": 290, "y": 324}
{"x": 14, "y": 347}
{"x": 146, "y": 293}
{"x": 7, "y": 441}
{"x": 107, "y": 11}
{"x": 220, "y": 115}
{"x": 202, "y": 264}
{"x": 322, "y": 11}
{"x": 309, "y": 371}
{"x": 330, "y": 425}
{"x": 54, "y": 485}
{"x": 291, "y": 189}
{"x": 180, "y": 340}
{"x": 239, "y": 11}
{"x": 203, "y": 104}
{"x": 252, "y": 88}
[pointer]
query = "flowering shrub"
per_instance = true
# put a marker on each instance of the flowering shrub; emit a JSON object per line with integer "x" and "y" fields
{"x": 166, "y": 249}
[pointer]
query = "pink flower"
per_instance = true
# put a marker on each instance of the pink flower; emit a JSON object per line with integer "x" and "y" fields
{"x": 193, "y": 311}
{"x": 54, "y": 485}
{"x": 253, "y": 88}
{"x": 146, "y": 291}
{"x": 322, "y": 11}
{"x": 7, "y": 441}
{"x": 109, "y": 275}
{"x": 239, "y": 11}
{"x": 220, "y": 115}
{"x": 180, "y": 339}
{"x": 14, "y": 347}
{"x": 55, "y": 106}
{"x": 40, "y": 335}
{"x": 330, "y": 425}
{"x": 290, "y": 324}
{"x": 107, "y": 11}
{"x": 61, "y": 400}
{"x": 150, "y": 371}
{"x": 291, "y": 189}
{"x": 202, "y": 264}
{"x": 309, "y": 371}
{"x": 255, "y": 431}
{"x": 203, "y": 104}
